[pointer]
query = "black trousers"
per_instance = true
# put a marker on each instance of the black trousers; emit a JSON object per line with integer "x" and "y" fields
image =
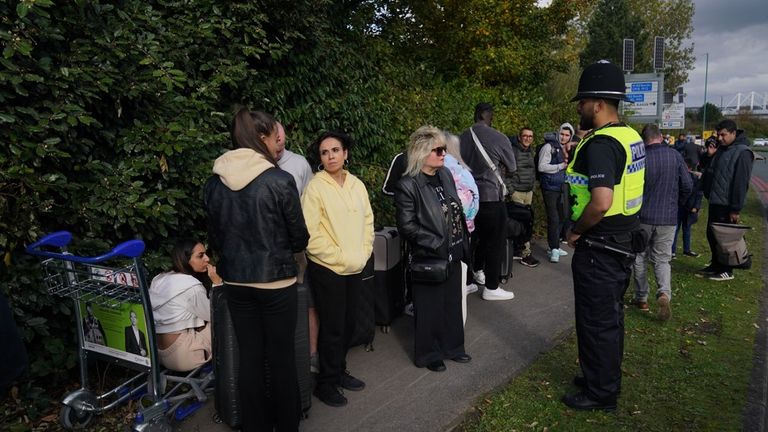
{"x": 489, "y": 240}
{"x": 265, "y": 326}
{"x": 553, "y": 205}
{"x": 336, "y": 303}
{"x": 600, "y": 280}
{"x": 716, "y": 213}
{"x": 439, "y": 331}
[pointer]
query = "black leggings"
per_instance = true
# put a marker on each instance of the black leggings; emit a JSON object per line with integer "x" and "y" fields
{"x": 265, "y": 326}
{"x": 553, "y": 204}
{"x": 489, "y": 240}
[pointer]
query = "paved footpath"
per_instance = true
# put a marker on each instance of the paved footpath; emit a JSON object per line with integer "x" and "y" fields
{"x": 503, "y": 337}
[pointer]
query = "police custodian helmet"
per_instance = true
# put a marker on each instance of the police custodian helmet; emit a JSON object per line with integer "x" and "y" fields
{"x": 601, "y": 80}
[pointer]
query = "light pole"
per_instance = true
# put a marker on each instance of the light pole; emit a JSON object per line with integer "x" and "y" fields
{"x": 704, "y": 120}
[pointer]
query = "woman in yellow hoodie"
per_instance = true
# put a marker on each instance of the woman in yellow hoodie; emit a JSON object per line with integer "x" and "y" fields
{"x": 340, "y": 223}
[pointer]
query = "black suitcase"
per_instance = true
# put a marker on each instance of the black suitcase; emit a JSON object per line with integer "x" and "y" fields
{"x": 365, "y": 325}
{"x": 302, "y": 348}
{"x": 226, "y": 357}
{"x": 507, "y": 258}
{"x": 389, "y": 276}
{"x": 226, "y": 361}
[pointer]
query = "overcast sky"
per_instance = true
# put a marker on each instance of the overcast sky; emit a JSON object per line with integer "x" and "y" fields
{"x": 735, "y": 34}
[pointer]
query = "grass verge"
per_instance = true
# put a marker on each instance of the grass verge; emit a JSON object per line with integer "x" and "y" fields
{"x": 688, "y": 374}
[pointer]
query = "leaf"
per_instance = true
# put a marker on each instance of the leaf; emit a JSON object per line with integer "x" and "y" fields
{"x": 5, "y": 118}
{"x": 22, "y": 9}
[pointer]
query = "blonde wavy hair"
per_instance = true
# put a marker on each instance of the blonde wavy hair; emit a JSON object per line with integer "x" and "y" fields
{"x": 420, "y": 145}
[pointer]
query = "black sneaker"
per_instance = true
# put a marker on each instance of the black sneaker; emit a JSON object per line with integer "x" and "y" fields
{"x": 348, "y": 382}
{"x": 529, "y": 261}
{"x": 330, "y": 395}
{"x": 692, "y": 254}
{"x": 708, "y": 271}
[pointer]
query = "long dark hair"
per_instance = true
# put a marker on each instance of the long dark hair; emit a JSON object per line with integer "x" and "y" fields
{"x": 181, "y": 254}
{"x": 313, "y": 151}
{"x": 248, "y": 127}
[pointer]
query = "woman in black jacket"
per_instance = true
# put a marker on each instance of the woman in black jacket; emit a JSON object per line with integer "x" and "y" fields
{"x": 431, "y": 219}
{"x": 255, "y": 224}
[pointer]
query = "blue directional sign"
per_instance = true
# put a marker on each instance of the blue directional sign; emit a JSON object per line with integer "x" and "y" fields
{"x": 642, "y": 86}
{"x": 636, "y": 97}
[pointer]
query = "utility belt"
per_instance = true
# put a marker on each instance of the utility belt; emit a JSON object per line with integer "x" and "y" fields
{"x": 627, "y": 245}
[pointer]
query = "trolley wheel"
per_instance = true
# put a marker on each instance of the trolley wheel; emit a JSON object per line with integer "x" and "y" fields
{"x": 72, "y": 418}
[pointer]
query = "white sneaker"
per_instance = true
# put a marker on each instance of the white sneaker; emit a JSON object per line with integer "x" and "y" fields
{"x": 470, "y": 288}
{"x": 409, "y": 309}
{"x": 479, "y": 277}
{"x": 498, "y": 294}
{"x": 554, "y": 256}
{"x": 562, "y": 252}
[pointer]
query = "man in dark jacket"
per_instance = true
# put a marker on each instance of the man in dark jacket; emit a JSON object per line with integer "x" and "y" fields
{"x": 520, "y": 185}
{"x": 725, "y": 183}
{"x": 488, "y": 153}
{"x": 667, "y": 185}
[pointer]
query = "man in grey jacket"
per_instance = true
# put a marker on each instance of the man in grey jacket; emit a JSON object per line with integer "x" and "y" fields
{"x": 489, "y": 237}
{"x": 520, "y": 185}
{"x": 725, "y": 183}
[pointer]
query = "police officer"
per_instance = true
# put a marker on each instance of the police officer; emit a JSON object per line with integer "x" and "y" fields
{"x": 606, "y": 182}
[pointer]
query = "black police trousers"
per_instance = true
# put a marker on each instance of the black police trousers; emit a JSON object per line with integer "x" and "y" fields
{"x": 600, "y": 279}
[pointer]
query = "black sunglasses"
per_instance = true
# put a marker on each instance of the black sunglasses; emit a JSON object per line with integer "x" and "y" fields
{"x": 439, "y": 150}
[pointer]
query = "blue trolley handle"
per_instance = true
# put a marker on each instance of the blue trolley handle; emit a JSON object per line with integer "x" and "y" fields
{"x": 59, "y": 239}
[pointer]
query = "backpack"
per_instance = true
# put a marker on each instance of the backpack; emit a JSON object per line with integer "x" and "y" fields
{"x": 549, "y": 138}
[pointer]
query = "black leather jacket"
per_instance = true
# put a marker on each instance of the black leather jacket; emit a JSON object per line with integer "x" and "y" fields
{"x": 420, "y": 217}
{"x": 256, "y": 230}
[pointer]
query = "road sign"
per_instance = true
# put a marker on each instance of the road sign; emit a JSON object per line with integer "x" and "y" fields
{"x": 645, "y": 98}
{"x": 673, "y": 116}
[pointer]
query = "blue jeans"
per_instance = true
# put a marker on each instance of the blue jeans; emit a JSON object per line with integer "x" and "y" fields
{"x": 682, "y": 221}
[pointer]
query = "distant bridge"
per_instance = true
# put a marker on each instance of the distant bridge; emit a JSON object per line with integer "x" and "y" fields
{"x": 753, "y": 102}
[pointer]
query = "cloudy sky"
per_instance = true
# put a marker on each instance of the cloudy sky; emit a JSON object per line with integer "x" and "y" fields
{"x": 735, "y": 34}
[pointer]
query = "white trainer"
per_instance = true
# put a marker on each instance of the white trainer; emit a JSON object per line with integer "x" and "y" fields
{"x": 554, "y": 256}
{"x": 471, "y": 288}
{"x": 479, "y": 277}
{"x": 562, "y": 252}
{"x": 498, "y": 294}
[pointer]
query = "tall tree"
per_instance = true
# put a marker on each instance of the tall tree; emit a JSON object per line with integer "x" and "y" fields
{"x": 611, "y": 22}
{"x": 672, "y": 20}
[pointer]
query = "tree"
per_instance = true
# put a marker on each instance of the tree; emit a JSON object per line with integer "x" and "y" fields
{"x": 714, "y": 114}
{"x": 672, "y": 20}
{"x": 611, "y": 22}
{"x": 642, "y": 20}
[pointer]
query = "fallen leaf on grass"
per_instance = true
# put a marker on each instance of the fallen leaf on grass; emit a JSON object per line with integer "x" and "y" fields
{"x": 636, "y": 412}
{"x": 702, "y": 342}
{"x": 50, "y": 418}
{"x": 756, "y": 326}
{"x": 533, "y": 425}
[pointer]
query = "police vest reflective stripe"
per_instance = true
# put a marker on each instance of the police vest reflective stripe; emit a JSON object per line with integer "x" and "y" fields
{"x": 628, "y": 194}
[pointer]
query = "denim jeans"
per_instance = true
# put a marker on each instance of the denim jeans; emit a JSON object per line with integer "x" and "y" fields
{"x": 685, "y": 225}
{"x": 658, "y": 253}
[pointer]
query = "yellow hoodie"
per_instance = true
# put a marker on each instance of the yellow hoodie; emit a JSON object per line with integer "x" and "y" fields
{"x": 340, "y": 223}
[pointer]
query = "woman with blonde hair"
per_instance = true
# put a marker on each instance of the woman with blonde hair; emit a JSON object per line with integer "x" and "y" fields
{"x": 430, "y": 217}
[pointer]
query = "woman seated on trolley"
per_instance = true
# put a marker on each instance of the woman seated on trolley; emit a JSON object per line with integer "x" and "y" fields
{"x": 181, "y": 308}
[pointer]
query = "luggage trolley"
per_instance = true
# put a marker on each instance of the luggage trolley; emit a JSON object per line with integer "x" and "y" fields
{"x": 115, "y": 324}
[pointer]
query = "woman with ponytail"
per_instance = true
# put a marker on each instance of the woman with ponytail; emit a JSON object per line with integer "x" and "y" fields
{"x": 255, "y": 225}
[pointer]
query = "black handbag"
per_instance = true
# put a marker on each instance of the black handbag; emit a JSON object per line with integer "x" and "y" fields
{"x": 430, "y": 270}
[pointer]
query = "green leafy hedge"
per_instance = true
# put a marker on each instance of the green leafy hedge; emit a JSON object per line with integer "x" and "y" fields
{"x": 112, "y": 113}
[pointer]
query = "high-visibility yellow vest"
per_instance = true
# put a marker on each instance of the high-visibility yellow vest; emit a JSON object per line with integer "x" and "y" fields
{"x": 628, "y": 194}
